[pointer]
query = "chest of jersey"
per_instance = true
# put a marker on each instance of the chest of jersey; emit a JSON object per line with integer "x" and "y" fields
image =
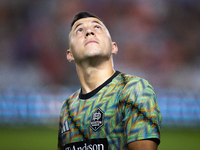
{"x": 92, "y": 118}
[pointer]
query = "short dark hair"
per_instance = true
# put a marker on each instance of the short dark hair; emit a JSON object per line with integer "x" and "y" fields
{"x": 81, "y": 15}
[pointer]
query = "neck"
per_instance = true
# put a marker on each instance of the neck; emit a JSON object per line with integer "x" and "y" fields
{"x": 92, "y": 76}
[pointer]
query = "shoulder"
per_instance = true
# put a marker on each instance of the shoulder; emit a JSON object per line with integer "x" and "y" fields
{"x": 69, "y": 100}
{"x": 132, "y": 82}
{"x": 136, "y": 87}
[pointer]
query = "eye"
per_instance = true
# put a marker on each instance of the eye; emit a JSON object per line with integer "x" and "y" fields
{"x": 97, "y": 27}
{"x": 79, "y": 30}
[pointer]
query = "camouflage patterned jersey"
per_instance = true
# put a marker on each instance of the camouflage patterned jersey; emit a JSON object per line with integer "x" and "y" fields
{"x": 121, "y": 110}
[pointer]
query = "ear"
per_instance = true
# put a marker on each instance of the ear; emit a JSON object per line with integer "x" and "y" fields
{"x": 114, "y": 48}
{"x": 69, "y": 55}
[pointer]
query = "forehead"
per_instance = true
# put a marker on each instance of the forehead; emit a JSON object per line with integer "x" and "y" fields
{"x": 86, "y": 21}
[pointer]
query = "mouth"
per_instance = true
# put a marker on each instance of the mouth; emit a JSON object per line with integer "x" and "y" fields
{"x": 92, "y": 41}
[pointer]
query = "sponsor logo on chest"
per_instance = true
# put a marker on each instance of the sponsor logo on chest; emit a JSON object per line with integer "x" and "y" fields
{"x": 90, "y": 144}
{"x": 87, "y": 147}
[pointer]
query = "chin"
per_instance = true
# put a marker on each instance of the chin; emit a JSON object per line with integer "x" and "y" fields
{"x": 93, "y": 53}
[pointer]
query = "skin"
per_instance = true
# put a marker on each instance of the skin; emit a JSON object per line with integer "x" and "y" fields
{"x": 91, "y": 48}
{"x": 143, "y": 145}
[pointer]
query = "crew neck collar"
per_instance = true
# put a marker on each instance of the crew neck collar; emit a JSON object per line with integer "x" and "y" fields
{"x": 92, "y": 93}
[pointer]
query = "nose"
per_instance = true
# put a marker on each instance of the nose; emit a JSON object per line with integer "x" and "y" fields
{"x": 89, "y": 32}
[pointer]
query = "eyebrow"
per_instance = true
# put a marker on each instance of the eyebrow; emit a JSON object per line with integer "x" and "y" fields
{"x": 78, "y": 25}
{"x": 97, "y": 22}
{"x": 91, "y": 22}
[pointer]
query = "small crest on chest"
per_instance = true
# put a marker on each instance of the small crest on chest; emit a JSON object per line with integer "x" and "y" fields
{"x": 97, "y": 119}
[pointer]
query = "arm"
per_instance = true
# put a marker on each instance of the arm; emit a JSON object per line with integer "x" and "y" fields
{"x": 143, "y": 145}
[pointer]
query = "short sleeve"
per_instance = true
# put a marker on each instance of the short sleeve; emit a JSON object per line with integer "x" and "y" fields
{"x": 59, "y": 136}
{"x": 142, "y": 115}
{"x": 59, "y": 144}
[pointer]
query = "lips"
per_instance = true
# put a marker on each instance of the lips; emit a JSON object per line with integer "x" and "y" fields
{"x": 91, "y": 41}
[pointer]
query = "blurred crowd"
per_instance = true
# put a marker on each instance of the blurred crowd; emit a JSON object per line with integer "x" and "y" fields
{"x": 158, "y": 40}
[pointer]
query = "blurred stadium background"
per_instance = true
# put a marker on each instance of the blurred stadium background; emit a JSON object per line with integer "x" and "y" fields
{"x": 158, "y": 40}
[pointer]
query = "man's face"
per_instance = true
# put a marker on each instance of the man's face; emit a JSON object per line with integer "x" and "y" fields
{"x": 89, "y": 38}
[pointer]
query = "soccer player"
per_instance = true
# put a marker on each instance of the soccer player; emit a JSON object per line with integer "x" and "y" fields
{"x": 111, "y": 110}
